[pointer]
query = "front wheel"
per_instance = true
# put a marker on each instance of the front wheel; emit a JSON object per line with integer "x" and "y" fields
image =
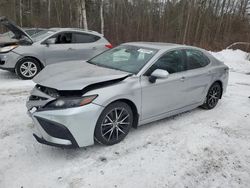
{"x": 114, "y": 123}
{"x": 213, "y": 96}
{"x": 27, "y": 68}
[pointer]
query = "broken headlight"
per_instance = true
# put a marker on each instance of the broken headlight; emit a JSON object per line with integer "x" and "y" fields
{"x": 62, "y": 103}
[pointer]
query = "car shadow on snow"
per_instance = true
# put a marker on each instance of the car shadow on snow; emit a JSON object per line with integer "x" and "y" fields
{"x": 8, "y": 75}
{"x": 98, "y": 151}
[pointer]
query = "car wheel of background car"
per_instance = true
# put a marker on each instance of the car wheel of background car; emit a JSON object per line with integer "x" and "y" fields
{"x": 114, "y": 123}
{"x": 27, "y": 68}
{"x": 213, "y": 96}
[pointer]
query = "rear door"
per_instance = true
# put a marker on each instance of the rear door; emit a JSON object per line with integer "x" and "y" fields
{"x": 86, "y": 46}
{"x": 198, "y": 75}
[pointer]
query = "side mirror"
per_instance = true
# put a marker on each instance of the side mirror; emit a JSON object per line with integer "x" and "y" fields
{"x": 50, "y": 41}
{"x": 158, "y": 74}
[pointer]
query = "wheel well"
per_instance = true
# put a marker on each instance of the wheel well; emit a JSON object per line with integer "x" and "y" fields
{"x": 134, "y": 110}
{"x": 219, "y": 82}
{"x": 40, "y": 63}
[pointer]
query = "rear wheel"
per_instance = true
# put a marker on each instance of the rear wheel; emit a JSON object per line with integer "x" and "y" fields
{"x": 114, "y": 123}
{"x": 213, "y": 96}
{"x": 27, "y": 68}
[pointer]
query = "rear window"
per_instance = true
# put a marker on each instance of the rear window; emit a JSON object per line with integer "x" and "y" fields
{"x": 196, "y": 59}
{"x": 84, "y": 38}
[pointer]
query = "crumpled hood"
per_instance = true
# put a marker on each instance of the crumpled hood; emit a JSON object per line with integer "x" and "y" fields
{"x": 75, "y": 75}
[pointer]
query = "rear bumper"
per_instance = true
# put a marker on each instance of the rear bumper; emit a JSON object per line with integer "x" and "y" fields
{"x": 69, "y": 128}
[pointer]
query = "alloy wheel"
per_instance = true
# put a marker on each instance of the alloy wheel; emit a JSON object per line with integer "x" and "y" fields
{"x": 213, "y": 95}
{"x": 115, "y": 124}
{"x": 28, "y": 69}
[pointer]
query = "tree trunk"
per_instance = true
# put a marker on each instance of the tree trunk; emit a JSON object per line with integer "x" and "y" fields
{"x": 20, "y": 13}
{"x": 49, "y": 10}
{"x": 102, "y": 17}
{"x": 84, "y": 15}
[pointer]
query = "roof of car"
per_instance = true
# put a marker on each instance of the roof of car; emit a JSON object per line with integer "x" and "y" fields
{"x": 75, "y": 29}
{"x": 158, "y": 45}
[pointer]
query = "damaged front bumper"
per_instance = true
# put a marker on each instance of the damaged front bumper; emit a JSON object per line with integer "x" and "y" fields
{"x": 71, "y": 128}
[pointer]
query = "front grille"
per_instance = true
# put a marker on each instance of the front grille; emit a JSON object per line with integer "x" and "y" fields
{"x": 49, "y": 91}
{"x": 40, "y": 96}
{"x": 36, "y": 98}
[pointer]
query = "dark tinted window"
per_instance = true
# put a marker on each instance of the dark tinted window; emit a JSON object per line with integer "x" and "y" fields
{"x": 196, "y": 59}
{"x": 62, "y": 38}
{"x": 172, "y": 62}
{"x": 84, "y": 38}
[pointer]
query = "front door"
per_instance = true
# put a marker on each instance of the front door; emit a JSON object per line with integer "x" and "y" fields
{"x": 60, "y": 50}
{"x": 167, "y": 94}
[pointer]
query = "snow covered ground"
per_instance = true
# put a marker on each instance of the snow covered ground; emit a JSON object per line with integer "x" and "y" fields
{"x": 195, "y": 149}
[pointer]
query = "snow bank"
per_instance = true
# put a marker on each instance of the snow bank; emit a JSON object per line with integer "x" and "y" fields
{"x": 235, "y": 59}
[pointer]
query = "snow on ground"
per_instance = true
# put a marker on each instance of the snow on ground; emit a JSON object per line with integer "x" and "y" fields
{"x": 235, "y": 59}
{"x": 195, "y": 149}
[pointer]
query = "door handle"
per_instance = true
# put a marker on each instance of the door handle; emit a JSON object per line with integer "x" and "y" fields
{"x": 94, "y": 48}
{"x": 70, "y": 49}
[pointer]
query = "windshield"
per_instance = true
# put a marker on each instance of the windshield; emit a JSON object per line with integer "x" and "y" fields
{"x": 41, "y": 35}
{"x": 125, "y": 58}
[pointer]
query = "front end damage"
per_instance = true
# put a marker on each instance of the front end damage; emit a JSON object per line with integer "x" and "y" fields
{"x": 70, "y": 128}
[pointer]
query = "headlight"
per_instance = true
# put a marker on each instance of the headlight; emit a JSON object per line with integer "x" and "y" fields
{"x": 71, "y": 102}
{"x": 7, "y": 48}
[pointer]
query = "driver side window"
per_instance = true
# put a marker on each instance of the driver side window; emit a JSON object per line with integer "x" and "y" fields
{"x": 172, "y": 62}
{"x": 61, "y": 38}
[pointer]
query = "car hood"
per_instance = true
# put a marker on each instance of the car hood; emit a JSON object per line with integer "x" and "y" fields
{"x": 76, "y": 75}
{"x": 18, "y": 32}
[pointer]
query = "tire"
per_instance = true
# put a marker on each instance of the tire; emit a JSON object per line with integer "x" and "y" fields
{"x": 27, "y": 68}
{"x": 114, "y": 123}
{"x": 213, "y": 96}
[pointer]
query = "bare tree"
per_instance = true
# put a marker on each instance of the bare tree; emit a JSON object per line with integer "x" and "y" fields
{"x": 82, "y": 14}
{"x": 20, "y": 13}
{"x": 49, "y": 11}
{"x": 102, "y": 17}
{"x": 212, "y": 24}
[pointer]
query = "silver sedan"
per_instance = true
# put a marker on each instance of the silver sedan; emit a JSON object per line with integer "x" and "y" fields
{"x": 75, "y": 104}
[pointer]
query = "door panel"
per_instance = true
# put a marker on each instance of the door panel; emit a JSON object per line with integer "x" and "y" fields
{"x": 84, "y": 51}
{"x": 163, "y": 96}
{"x": 198, "y": 76}
{"x": 197, "y": 81}
{"x": 56, "y": 53}
{"x": 86, "y": 45}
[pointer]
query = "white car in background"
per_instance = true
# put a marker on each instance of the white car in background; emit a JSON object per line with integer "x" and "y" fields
{"x": 28, "y": 55}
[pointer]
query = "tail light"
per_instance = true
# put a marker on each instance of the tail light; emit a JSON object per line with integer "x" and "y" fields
{"x": 109, "y": 46}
